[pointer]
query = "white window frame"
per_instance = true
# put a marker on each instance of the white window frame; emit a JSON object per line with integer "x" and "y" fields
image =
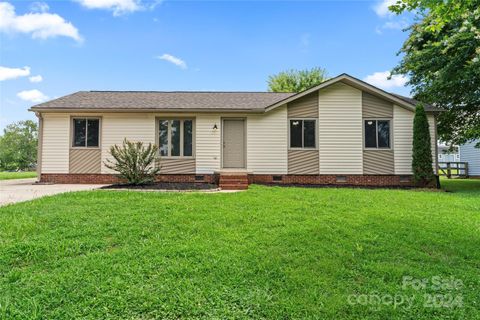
{"x": 390, "y": 136}
{"x": 303, "y": 135}
{"x": 72, "y": 132}
{"x": 169, "y": 137}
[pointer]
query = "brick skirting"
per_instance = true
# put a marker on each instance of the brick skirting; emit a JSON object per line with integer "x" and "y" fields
{"x": 339, "y": 180}
{"x": 87, "y": 178}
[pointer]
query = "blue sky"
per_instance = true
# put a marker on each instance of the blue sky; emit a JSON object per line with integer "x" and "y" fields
{"x": 49, "y": 49}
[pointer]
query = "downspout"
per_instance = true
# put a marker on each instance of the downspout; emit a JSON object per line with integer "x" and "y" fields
{"x": 39, "y": 146}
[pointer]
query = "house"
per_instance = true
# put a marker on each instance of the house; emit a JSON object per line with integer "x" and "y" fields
{"x": 471, "y": 155}
{"x": 343, "y": 131}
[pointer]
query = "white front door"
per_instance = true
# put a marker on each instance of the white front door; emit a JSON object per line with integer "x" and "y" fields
{"x": 233, "y": 143}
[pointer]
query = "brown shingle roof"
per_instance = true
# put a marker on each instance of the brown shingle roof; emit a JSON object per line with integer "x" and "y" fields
{"x": 110, "y": 100}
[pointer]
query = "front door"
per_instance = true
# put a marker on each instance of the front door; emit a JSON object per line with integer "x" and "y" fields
{"x": 233, "y": 143}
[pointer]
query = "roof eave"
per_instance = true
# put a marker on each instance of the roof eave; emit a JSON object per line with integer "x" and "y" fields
{"x": 143, "y": 110}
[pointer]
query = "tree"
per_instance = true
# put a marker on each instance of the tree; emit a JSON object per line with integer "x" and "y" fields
{"x": 134, "y": 162}
{"x": 18, "y": 146}
{"x": 442, "y": 59}
{"x": 296, "y": 80}
{"x": 422, "y": 165}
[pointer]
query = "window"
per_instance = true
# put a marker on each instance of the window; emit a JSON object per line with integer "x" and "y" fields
{"x": 86, "y": 132}
{"x": 175, "y": 138}
{"x": 302, "y": 133}
{"x": 377, "y": 134}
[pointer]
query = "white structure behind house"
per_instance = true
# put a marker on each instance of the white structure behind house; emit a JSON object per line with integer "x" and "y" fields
{"x": 447, "y": 155}
{"x": 470, "y": 154}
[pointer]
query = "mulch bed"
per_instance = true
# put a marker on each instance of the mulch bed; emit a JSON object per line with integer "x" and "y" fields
{"x": 164, "y": 186}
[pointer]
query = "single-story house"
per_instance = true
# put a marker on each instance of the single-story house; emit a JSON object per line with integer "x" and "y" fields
{"x": 343, "y": 131}
{"x": 470, "y": 154}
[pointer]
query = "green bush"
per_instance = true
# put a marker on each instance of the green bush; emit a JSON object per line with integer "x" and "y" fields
{"x": 422, "y": 165}
{"x": 134, "y": 162}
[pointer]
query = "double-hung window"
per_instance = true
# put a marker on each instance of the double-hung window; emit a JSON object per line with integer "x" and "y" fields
{"x": 86, "y": 133}
{"x": 377, "y": 134}
{"x": 175, "y": 137}
{"x": 303, "y": 133}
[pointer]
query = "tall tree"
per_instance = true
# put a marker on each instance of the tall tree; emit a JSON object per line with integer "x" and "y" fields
{"x": 422, "y": 164}
{"x": 18, "y": 146}
{"x": 442, "y": 59}
{"x": 296, "y": 80}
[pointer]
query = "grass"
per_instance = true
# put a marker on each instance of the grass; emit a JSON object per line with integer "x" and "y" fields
{"x": 5, "y": 175}
{"x": 270, "y": 252}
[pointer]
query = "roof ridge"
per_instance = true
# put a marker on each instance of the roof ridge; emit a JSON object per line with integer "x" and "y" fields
{"x": 182, "y": 91}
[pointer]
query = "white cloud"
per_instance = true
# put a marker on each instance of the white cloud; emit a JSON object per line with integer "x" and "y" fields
{"x": 35, "y": 79}
{"x": 392, "y": 25}
{"x": 13, "y": 73}
{"x": 118, "y": 7}
{"x": 32, "y": 95}
{"x": 41, "y": 25}
{"x": 395, "y": 25}
{"x": 172, "y": 59}
{"x": 381, "y": 8}
{"x": 39, "y": 7}
{"x": 380, "y": 79}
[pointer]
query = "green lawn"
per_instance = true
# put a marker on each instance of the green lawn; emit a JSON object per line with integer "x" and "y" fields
{"x": 270, "y": 252}
{"x": 4, "y": 175}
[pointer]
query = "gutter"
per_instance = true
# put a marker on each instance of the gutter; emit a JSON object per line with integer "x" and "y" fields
{"x": 125, "y": 110}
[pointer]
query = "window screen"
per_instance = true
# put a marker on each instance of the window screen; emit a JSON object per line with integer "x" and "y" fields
{"x": 377, "y": 134}
{"x": 175, "y": 138}
{"x": 86, "y": 132}
{"x": 296, "y": 133}
{"x": 302, "y": 133}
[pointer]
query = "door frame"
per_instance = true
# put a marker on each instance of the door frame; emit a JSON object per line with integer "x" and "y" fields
{"x": 244, "y": 119}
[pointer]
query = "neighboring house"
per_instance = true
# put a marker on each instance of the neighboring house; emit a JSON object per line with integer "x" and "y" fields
{"x": 471, "y": 155}
{"x": 447, "y": 155}
{"x": 343, "y": 131}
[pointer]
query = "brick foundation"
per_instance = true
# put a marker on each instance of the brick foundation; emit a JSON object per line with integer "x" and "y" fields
{"x": 334, "y": 180}
{"x": 86, "y": 178}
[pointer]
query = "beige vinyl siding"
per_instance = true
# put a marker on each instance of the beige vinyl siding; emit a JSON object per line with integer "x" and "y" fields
{"x": 267, "y": 137}
{"x": 116, "y": 127}
{"x": 303, "y": 162}
{"x": 374, "y": 107}
{"x": 55, "y": 143}
{"x": 85, "y": 160}
{"x": 304, "y": 107}
{"x": 176, "y": 166}
{"x": 378, "y": 162}
{"x": 207, "y": 143}
{"x": 433, "y": 140}
{"x": 340, "y": 130}
{"x": 402, "y": 139}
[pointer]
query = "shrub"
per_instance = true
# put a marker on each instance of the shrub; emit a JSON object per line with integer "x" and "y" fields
{"x": 422, "y": 165}
{"x": 134, "y": 162}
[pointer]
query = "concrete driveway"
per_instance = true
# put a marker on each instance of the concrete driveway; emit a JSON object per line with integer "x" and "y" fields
{"x": 19, "y": 190}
